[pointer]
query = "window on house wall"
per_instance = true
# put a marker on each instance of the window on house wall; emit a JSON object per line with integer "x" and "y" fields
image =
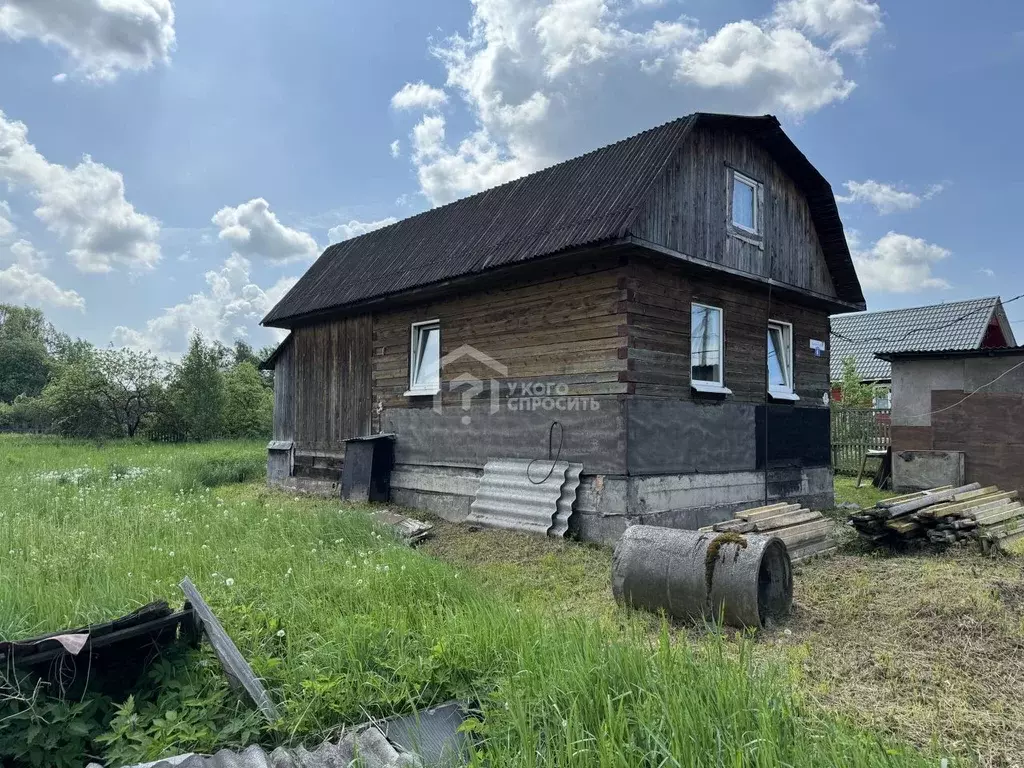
{"x": 780, "y": 360}
{"x": 746, "y": 203}
{"x": 707, "y": 346}
{"x": 425, "y": 359}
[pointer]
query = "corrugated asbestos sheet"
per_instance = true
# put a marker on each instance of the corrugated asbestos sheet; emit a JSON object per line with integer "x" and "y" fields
{"x": 428, "y": 739}
{"x": 954, "y": 325}
{"x": 584, "y": 201}
{"x": 369, "y": 746}
{"x": 511, "y": 495}
{"x": 566, "y": 501}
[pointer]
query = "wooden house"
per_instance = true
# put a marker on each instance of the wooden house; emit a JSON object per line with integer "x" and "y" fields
{"x": 664, "y": 299}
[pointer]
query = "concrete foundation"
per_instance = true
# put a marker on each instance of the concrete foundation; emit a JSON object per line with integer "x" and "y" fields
{"x": 920, "y": 470}
{"x": 606, "y": 505}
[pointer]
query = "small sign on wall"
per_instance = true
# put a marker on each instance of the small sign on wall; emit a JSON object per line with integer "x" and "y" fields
{"x": 818, "y": 347}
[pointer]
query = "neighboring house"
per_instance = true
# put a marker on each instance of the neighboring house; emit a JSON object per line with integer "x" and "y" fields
{"x": 664, "y": 299}
{"x": 972, "y": 324}
{"x": 968, "y": 402}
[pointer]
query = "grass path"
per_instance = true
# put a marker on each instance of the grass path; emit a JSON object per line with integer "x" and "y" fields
{"x": 345, "y": 623}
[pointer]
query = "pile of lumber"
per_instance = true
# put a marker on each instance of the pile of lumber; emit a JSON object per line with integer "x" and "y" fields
{"x": 805, "y": 532}
{"x": 945, "y": 515}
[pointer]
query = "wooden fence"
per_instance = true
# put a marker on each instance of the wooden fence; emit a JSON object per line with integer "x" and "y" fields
{"x": 856, "y": 430}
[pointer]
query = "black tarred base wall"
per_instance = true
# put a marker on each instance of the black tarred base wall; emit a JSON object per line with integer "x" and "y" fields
{"x": 791, "y": 436}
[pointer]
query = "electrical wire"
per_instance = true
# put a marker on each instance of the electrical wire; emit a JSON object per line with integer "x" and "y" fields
{"x": 554, "y": 461}
{"x": 966, "y": 397}
{"x": 767, "y": 408}
{"x": 920, "y": 329}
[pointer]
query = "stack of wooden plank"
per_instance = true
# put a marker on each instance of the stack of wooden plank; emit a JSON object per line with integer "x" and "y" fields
{"x": 805, "y": 532}
{"x": 945, "y": 515}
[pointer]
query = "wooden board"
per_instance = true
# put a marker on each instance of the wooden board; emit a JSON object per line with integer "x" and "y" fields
{"x": 787, "y": 520}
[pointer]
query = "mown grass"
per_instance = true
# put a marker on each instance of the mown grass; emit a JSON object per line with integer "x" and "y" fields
{"x": 344, "y": 623}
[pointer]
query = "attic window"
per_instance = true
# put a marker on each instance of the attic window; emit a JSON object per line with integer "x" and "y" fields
{"x": 745, "y": 208}
{"x": 425, "y": 359}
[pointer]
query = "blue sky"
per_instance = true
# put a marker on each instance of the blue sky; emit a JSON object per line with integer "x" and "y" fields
{"x": 231, "y": 142}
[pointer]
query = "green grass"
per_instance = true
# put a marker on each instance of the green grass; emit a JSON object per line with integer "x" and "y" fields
{"x": 865, "y": 496}
{"x": 345, "y": 623}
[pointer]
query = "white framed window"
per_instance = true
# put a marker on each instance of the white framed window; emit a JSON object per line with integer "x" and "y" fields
{"x": 425, "y": 358}
{"x": 745, "y": 203}
{"x": 780, "y": 360}
{"x": 707, "y": 349}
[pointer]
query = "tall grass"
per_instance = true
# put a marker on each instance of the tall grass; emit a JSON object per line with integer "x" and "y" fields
{"x": 345, "y": 623}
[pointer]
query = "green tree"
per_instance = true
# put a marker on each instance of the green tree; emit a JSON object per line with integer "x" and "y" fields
{"x": 130, "y": 385}
{"x": 248, "y": 405}
{"x": 197, "y": 389}
{"x": 856, "y": 393}
{"x": 72, "y": 401}
{"x": 24, "y": 357}
{"x": 104, "y": 393}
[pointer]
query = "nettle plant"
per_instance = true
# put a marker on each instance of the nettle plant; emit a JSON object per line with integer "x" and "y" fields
{"x": 183, "y": 698}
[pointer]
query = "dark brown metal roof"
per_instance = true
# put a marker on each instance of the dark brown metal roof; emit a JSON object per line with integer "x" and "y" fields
{"x": 584, "y": 201}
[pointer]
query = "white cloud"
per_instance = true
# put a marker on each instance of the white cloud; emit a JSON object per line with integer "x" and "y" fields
{"x": 543, "y": 80}
{"x": 886, "y": 198}
{"x": 898, "y": 263}
{"x": 230, "y": 306}
{"x": 84, "y": 205}
{"x": 22, "y": 283}
{"x": 7, "y": 227}
{"x": 849, "y": 23}
{"x": 60, "y": 77}
{"x": 356, "y": 228}
{"x": 25, "y": 255}
{"x": 419, "y": 96}
{"x": 776, "y": 67}
{"x": 396, "y": 148}
{"x": 254, "y": 230}
{"x": 20, "y": 286}
{"x": 987, "y": 272}
{"x": 103, "y": 37}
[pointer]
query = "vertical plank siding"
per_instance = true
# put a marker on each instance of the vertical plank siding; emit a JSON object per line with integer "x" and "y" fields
{"x": 689, "y": 207}
{"x": 284, "y": 394}
{"x": 332, "y": 383}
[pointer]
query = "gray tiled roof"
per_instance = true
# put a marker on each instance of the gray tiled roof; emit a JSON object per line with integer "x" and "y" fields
{"x": 954, "y": 325}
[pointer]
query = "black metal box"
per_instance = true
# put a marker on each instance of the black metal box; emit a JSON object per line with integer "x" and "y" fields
{"x": 366, "y": 474}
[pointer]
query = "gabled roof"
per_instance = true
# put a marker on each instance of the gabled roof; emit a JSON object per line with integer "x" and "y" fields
{"x": 588, "y": 200}
{"x": 954, "y": 325}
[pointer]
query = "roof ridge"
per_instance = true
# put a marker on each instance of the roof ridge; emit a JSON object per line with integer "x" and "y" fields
{"x": 876, "y": 313}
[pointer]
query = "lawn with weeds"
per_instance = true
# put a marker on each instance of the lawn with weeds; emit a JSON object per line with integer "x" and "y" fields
{"x": 345, "y": 623}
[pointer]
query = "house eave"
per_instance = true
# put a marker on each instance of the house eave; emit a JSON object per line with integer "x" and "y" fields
{"x": 821, "y": 300}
